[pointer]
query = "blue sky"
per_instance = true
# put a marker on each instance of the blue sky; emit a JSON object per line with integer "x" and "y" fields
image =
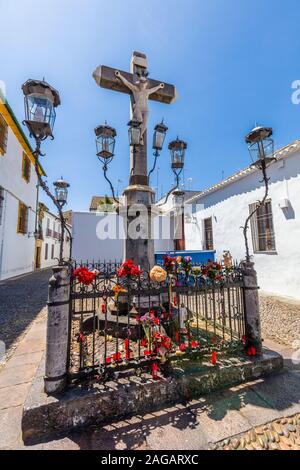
{"x": 232, "y": 61}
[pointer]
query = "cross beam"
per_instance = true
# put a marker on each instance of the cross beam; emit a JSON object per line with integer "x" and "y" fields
{"x": 105, "y": 77}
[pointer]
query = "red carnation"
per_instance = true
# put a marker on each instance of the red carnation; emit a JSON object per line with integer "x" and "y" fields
{"x": 251, "y": 351}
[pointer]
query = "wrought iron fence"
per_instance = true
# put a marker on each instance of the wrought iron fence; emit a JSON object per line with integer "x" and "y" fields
{"x": 120, "y": 321}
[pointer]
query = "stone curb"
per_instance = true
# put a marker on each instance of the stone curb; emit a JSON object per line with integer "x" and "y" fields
{"x": 44, "y": 416}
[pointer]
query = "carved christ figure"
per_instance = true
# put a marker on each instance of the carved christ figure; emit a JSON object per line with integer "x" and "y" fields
{"x": 141, "y": 95}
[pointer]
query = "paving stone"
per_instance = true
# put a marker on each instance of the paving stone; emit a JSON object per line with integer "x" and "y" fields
{"x": 30, "y": 346}
{"x": 232, "y": 423}
{"x": 278, "y": 428}
{"x": 10, "y": 427}
{"x": 273, "y": 446}
{"x": 17, "y": 375}
{"x": 13, "y": 396}
{"x": 22, "y": 300}
{"x": 23, "y": 359}
{"x": 280, "y": 392}
{"x": 284, "y": 446}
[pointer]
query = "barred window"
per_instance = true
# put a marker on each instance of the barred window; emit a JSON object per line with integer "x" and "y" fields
{"x": 208, "y": 234}
{"x": 22, "y": 218}
{"x": 26, "y": 167}
{"x": 1, "y": 203}
{"x": 262, "y": 229}
{"x": 3, "y": 135}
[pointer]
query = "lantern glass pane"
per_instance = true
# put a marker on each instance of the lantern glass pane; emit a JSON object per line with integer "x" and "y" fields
{"x": 262, "y": 149}
{"x": 158, "y": 140}
{"x": 134, "y": 135}
{"x": 178, "y": 156}
{"x": 61, "y": 194}
{"x": 105, "y": 146}
{"x": 40, "y": 109}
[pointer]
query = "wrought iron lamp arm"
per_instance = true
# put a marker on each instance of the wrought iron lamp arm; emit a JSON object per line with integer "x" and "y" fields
{"x": 110, "y": 183}
{"x": 172, "y": 189}
{"x": 37, "y": 153}
{"x": 245, "y": 228}
{"x": 156, "y": 155}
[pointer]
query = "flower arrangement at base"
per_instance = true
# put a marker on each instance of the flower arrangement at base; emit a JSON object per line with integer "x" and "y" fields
{"x": 184, "y": 264}
{"x": 117, "y": 289}
{"x": 162, "y": 345}
{"x": 212, "y": 271}
{"x": 169, "y": 263}
{"x": 129, "y": 269}
{"x": 84, "y": 276}
{"x": 158, "y": 274}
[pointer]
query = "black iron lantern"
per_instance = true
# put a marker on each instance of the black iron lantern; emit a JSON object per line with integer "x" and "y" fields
{"x": 105, "y": 142}
{"x": 260, "y": 145}
{"x": 177, "y": 149}
{"x": 178, "y": 197}
{"x": 61, "y": 191}
{"x": 159, "y": 136}
{"x": 134, "y": 133}
{"x": 40, "y": 101}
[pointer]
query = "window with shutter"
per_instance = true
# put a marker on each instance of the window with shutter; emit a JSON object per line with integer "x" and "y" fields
{"x": 22, "y": 218}
{"x": 3, "y": 135}
{"x": 46, "y": 251}
{"x": 26, "y": 168}
{"x": 262, "y": 228}
{"x": 208, "y": 234}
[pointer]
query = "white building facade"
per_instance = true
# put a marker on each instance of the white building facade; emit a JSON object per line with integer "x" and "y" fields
{"x": 18, "y": 198}
{"x": 48, "y": 243}
{"x": 27, "y": 241}
{"x": 219, "y": 212}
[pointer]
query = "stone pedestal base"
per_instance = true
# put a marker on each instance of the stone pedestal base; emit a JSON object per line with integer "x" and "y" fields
{"x": 138, "y": 219}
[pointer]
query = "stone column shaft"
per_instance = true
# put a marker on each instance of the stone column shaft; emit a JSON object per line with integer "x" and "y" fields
{"x": 252, "y": 314}
{"x": 57, "y": 330}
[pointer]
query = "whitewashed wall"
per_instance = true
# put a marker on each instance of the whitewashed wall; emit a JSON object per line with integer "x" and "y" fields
{"x": 278, "y": 273}
{"x": 16, "y": 250}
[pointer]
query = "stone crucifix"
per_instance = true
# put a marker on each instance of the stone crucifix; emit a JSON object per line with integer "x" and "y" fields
{"x": 141, "y": 94}
{"x": 139, "y": 196}
{"x": 140, "y": 89}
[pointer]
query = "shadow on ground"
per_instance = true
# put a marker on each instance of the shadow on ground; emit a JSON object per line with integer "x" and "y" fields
{"x": 195, "y": 424}
{"x": 21, "y": 299}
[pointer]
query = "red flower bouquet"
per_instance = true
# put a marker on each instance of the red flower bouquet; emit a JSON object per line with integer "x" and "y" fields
{"x": 84, "y": 276}
{"x": 128, "y": 268}
{"x": 169, "y": 263}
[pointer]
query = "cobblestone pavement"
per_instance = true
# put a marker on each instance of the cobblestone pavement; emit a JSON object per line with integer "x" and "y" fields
{"x": 282, "y": 434}
{"x": 21, "y": 300}
{"x": 280, "y": 319}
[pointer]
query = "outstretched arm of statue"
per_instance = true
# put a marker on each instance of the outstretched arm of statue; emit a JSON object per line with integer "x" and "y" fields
{"x": 156, "y": 88}
{"x": 124, "y": 80}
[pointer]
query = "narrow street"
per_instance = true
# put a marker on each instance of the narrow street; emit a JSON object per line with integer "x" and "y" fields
{"x": 21, "y": 300}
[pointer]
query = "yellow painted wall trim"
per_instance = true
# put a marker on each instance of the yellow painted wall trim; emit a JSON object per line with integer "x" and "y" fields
{"x": 11, "y": 123}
